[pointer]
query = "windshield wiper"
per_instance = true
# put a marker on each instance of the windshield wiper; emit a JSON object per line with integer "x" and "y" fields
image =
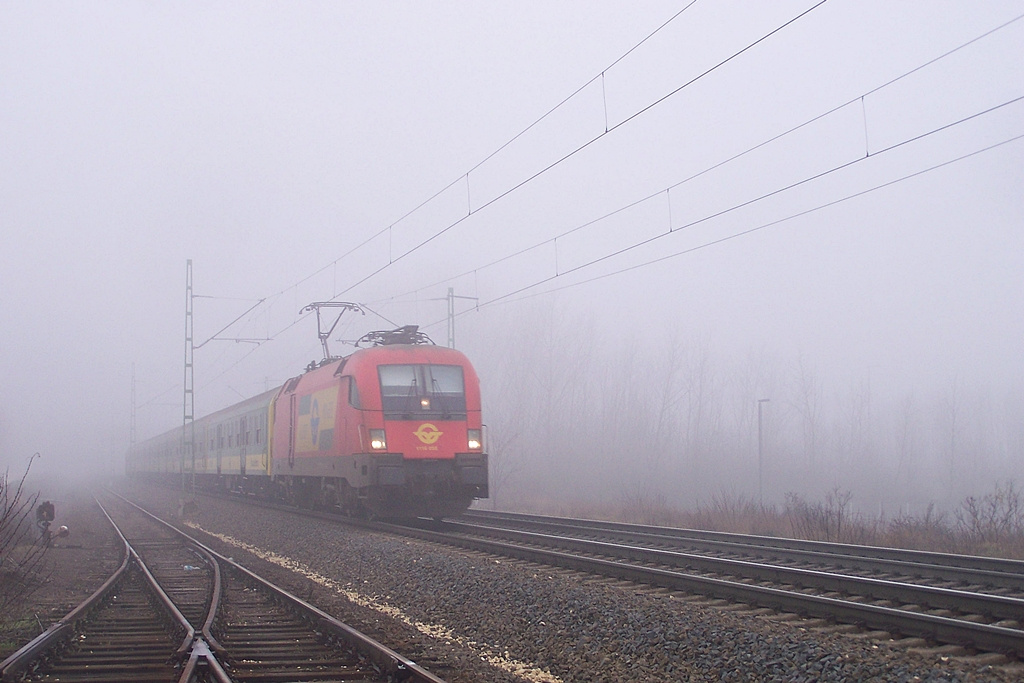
{"x": 441, "y": 400}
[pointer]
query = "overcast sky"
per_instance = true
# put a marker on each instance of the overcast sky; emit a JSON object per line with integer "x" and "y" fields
{"x": 267, "y": 141}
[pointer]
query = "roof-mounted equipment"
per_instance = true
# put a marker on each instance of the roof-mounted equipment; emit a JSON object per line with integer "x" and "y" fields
{"x": 408, "y": 334}
{"x": 325, "y": 334}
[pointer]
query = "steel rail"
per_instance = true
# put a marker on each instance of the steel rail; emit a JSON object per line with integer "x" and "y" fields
{"x": 191, "y": 645}
{"x": 385, "y": 658}
{"x": 970, "y": 577}
{"x": 168, "y": 605}
{"x": 16, "y": 664}
{"x": 997, "y": 565}
{"x": 200, "y": 656}
{"x": 999, "y": 607}
{"x": 214, "y": 602}
{"x": 983, "y": 637}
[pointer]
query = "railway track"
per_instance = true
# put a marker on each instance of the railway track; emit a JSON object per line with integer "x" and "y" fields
{"x": 176, "y": 610}
{"x": 973, "y": 603}
{"x": 920, "y": 566}
{"x": 968, "y": 604}
{"x": 976, "y": 603}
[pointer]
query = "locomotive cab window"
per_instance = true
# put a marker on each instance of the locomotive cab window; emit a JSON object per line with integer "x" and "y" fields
{"x": 353, "y": 393}
{"x": 411, "y": 392}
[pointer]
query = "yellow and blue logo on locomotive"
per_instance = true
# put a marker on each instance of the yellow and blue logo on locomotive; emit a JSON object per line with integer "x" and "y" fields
{"x": 314, "y": 429}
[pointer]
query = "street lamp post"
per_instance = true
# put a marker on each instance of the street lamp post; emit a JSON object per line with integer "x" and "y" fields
{"x": 760, "y": 449}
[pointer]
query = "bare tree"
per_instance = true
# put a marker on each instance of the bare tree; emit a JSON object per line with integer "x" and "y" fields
{"x": 905, "y": 430}
{"x": 950, "y": 415}
{"x": 701, "y": 405}
{"x": 22, "y": 551}
{"x": 807, "y": 404}
{"x": 996, "y": 518}
{"x": 853, "y": 438}
{"x": 826, "y": 521}
{"x": 508, "y": 408}
{"x": 668, "y": 395}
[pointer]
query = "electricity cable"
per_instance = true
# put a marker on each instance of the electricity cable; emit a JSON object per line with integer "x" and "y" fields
{"x": 504, "y": 145}
{"x": 506, "y": 298}
{"x": 779, "y": 136}
{"x": 575, "y": 151}
{"x": 741, "y": 233}
{"x": 543, "y": 170}
{"x": 869, "y": 154}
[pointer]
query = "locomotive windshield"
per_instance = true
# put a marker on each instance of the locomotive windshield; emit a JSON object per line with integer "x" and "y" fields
{"x": 411, "y": 392}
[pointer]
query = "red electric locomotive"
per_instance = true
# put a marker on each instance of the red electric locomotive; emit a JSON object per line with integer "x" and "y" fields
{"x": 394, "y": 430}
{"x": 389, "y": 431}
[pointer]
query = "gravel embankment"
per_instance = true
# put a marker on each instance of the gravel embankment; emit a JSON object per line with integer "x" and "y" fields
{"x": 470, "y": 617}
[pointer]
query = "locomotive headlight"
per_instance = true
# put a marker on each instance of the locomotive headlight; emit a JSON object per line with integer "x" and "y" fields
{"x": 475, "y": 441}
{"x": 425, "y": 403}
{"x": 377, "y": 440}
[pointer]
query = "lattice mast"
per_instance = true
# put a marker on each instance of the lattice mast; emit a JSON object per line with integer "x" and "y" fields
{"x": 131, "y": 427}
{"x": 188, "y": 401}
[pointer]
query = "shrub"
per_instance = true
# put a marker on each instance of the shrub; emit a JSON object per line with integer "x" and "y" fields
{"x": 994, "y": 522}
{"x": 22, "y": 552}
{"x": 930, "y": 532}
{"x": 826, "y": 521}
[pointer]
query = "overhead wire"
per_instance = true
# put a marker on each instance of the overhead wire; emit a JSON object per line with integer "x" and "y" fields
{"x": 578, "y": 149}
{"x": 214, "y": 335}
{"x": 507, "y": 297}
{"x": 480, "y": 163}
{"x": 747, "y": 231}
{"x": 536, "y": 174}
{"x": 868, "y": 154}
{"x": 745, "y": 152}
{"x": 456, "y": 181}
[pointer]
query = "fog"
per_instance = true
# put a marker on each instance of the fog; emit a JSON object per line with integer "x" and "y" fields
{"x": 676, "y": 423}
{"x": 655, "y": 215}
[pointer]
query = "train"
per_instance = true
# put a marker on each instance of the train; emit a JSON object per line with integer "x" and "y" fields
{"x": 392, "y": 430}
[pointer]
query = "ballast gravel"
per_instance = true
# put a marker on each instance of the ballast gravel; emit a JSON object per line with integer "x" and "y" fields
{"x": 472, "y": 617}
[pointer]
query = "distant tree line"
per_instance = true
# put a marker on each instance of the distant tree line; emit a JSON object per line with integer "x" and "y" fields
{"x": 573, "y": 416}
